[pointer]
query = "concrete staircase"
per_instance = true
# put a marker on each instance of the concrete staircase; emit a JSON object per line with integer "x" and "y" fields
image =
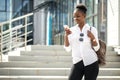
{"x": 52, "y": 63}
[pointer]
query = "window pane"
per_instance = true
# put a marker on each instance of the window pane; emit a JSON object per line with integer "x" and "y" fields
{"x": 89, "y": 4}
{"x": 2, "y": 16}
{"x": 95, "y": 21}
{"x": 95, "y": 7}
{"x": 90, "y": 21}
{"x": 2, "y": 5}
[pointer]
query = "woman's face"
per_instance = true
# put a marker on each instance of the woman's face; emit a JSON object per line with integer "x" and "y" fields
{"x": 79, "y": 17}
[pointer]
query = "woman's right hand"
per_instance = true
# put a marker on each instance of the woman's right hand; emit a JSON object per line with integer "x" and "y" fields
{"x": 67, "y": 32}
{"x": 67, "y": 29}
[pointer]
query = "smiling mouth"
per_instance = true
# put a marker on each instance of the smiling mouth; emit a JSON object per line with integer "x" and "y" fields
{"x": 77, "y": 21}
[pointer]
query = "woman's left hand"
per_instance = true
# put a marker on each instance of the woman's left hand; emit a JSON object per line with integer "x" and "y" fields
{"x": 90, "y": 35}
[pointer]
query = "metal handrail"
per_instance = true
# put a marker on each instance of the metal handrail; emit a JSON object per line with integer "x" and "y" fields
{"x": 14, "y": 36}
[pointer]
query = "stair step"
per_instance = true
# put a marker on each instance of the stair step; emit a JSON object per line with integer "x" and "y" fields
{"x": 52, "y": 71}
{"x": 45, "y": 53}
{"x": 41, "y": 58}
{"x": 113, "y": 58}
{"x": 109, "y": 72}
{"x": 52, "y": 77}
{"x": 110, "y": 48}
{"x": 53, "y": 64}
{"x": 55, "y": 52}
{"x": 55, "y": 58}
{"x": 111, "y": 53}
{"x": 44, "y": 47}
{"x": 36, "y": 64}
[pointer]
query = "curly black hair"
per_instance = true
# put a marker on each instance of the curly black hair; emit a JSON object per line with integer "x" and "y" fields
{"x": 82, "y": 8}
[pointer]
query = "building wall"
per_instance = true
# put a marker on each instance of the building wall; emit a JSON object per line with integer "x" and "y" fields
{"x": 119, "y": 21}
{"x": 40, "y": 22}
{"x": 113, "y": 23}
{"x": 50, "y": 31}
{"x": 40, "y": 27}
{"x": 61, "y": 13}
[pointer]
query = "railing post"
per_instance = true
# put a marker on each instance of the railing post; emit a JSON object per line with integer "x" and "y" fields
{"x": 9, "y": 37}
{"x": 10, "y": 26}
{"x": 10, "y": 29}
{"x": 25, "y": 32}
{"x": 1, "y": 41}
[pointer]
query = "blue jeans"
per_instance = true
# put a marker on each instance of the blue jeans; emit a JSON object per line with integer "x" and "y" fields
{"x": 89, "y": 72}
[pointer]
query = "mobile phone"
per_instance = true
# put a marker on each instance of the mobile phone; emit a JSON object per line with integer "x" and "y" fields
{"x": 65, "y": 26}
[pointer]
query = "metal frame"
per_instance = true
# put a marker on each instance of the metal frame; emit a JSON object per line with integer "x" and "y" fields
{"x": 13, "y": 37}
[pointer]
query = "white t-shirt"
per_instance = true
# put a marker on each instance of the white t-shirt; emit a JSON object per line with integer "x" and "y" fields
{"x": 82, "y": 50}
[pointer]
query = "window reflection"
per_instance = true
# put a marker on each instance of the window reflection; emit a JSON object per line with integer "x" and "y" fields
{"x": 92, "y": 17}
{"x": 4, "y": 10}
{"x": 2, "y": 5}
{"x": 21, "y": 7}
{"x": 64, "y": 14}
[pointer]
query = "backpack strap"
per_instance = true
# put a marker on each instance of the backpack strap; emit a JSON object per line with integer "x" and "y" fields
{"x": 90, "y": 28}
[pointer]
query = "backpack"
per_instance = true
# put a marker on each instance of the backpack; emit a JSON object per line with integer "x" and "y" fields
{"x": 101, "y": 53}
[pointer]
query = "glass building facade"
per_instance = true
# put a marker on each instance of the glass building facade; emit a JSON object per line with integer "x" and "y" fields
{"x": 50, "y": 16}
{"x": 96, "y": 16}
{"x": 21, "y": 7}
{"x": 54, "y": 16}
{"x": 63, "y": 16}
{"x": 10, "y": 9}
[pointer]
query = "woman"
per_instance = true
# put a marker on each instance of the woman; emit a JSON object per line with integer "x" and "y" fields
{"x": 82, "y": 41}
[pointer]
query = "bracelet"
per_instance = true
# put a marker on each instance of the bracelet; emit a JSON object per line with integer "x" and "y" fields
{"x": 93, "y": 40}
